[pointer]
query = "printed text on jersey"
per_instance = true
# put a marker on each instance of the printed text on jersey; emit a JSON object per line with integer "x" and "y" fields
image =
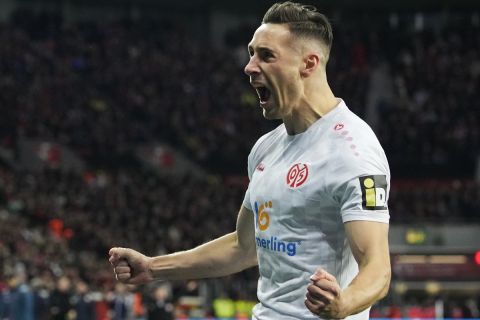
{"x": 271, "y": 242}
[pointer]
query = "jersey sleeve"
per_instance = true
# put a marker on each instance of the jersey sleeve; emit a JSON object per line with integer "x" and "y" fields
{"x": 246, "y": 200}
{"x": 361, "y": 183}
{"x": 253, "y": 160}
{"x": 365, "y": 198}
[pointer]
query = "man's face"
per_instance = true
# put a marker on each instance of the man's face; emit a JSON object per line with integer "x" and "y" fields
{"x": 274, "y": 69}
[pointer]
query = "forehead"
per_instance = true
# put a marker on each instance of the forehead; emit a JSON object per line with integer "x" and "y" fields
{"x": 271, "y": 36}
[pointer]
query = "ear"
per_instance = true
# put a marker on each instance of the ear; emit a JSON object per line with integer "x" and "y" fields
{"x": 310, "y": 64}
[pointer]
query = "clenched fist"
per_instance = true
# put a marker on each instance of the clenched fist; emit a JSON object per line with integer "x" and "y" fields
{"x": 324, "y": 296}
{"x": 130, "y": 266}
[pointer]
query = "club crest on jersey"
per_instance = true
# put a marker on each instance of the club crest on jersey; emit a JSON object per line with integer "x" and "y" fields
{"x": 297, "y": 175}
{"x": 374, "y": 192}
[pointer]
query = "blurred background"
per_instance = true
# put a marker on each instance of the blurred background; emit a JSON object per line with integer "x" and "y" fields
{"x": 128, "y": 123}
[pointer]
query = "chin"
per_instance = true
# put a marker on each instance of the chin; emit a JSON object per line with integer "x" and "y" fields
{"x": 271, "y": 114}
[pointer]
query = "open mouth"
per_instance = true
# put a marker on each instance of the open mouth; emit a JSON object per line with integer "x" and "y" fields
{"x": 263, "y": 94}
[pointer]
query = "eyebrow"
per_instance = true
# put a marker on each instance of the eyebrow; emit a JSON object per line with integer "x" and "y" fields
{"x": 260, "y": 48}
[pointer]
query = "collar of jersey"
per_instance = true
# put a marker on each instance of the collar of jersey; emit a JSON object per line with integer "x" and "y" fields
{"x": 340, "y": 106}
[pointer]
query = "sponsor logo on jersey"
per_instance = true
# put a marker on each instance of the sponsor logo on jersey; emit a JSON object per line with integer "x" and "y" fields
{"x": 374, "y": 192}
{"x": 262, "y": 216}
{"x": 297, "y": 175}
{"x": 272, "y": 243}
{"x": 338, "y": 126}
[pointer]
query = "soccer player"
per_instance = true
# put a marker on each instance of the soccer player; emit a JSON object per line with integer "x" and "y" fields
{"x": 315, "y": 216}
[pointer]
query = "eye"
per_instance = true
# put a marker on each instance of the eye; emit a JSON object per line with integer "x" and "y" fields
{"x": 267, "y": 55}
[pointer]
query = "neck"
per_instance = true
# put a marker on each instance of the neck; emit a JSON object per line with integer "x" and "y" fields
{"x": 316, "y": 102}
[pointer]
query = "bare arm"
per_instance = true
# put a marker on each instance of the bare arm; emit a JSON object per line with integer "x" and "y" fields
{"x": 369, "y": 244}
{"x": 228, "y": 254}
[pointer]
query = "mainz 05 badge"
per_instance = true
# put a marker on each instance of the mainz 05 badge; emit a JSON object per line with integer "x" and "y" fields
{"x": 374, "y": 192}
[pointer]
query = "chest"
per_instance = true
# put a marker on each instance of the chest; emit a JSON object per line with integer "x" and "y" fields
{"x": 288, "y": 189}
{"x": 289, "y": 172}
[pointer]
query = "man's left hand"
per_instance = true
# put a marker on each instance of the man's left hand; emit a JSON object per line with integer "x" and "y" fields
{"x": 324, "y": 296}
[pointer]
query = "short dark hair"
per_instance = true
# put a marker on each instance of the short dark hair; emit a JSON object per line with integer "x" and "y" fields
{"x": 303, "y": 21}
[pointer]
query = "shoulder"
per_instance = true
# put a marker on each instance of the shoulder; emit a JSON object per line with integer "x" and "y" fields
{"x": 355, "y": 149}
{"x": 266, "y": 141}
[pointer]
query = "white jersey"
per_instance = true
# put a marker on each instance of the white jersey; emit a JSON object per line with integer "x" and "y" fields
{"x": 302, "y": 189}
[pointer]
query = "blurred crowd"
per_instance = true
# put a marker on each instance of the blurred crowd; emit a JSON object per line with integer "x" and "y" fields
{"x": 432, "y": 121}
{"x": 435, "y": 201}
{"x": 57, "y": 228}
{"x": 103, "y": 88}
{"x": 435, "y": 307}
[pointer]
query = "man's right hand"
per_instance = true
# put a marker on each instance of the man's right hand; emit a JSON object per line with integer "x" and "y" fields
{"x": 130, "y": 266}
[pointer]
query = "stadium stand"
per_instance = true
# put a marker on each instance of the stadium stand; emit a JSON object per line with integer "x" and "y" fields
{"x": 102, "y": 88}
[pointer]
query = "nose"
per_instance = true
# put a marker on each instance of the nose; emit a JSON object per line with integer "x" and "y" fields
{"x": 252, "y": 67}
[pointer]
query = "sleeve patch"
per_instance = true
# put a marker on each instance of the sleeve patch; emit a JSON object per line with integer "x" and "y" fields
{"x": 374, "y": 192}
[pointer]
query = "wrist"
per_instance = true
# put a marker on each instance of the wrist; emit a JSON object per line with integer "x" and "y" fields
{"x": 162, "y": 267}
{"x": 150, "y": 267}
{"x": 343, "y": 307}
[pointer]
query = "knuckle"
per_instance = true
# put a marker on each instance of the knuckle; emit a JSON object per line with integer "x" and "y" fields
{"x": 124, "y": 276}
{"x": 122, "y": 263}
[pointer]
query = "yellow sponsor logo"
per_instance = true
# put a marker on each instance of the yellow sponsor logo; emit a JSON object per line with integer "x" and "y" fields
{"x": 374, "y": 192}
{"x": 263, "y": 217}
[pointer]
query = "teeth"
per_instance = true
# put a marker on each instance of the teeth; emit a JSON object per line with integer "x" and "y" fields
{"x": 263, "y": 93}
